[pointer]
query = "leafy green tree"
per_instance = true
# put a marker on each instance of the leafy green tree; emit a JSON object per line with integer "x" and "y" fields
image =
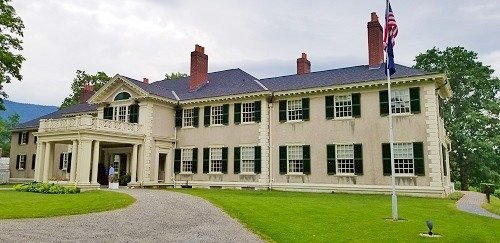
{"x": 471, "y": 115}
{"x": 5, "y": 132}
{"x": 11, "y": 31}
{"x": 176, "y": 75}
{"x": 97, "y": 80}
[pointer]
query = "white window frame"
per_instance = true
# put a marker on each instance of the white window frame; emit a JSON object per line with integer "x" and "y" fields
{"x": 297, "y": 159}
{"x": 187, "y": 160}
{"x": 344, "y": 159}
{"x": 216, "y": 115}
{"x": 24, "y": 138}
{"x": 188, "y": 117}
{"x": 294, "y": 110}
{"x": 248, "y": 112}
{"x": 22, "y": 162}
{"x": 117, "y": 116}
{"x": 215, "y": 160}
{"x": 404, "y": 163}
{"x": 116, "y": 163}
{"x": 342, "y": 106}
{"x": 403, "y": 104}
{"x": 65, "y": 161}
{"x": 247, "y": 160}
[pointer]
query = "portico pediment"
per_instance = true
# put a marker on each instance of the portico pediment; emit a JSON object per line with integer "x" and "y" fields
{"x": 114, "y": 87}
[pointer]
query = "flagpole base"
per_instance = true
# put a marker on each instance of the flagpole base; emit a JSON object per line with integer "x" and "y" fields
{"x": 394, "y": 207}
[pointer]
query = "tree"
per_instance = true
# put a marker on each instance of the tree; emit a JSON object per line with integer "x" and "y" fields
{"x": 11, "y": 31}
{"x": 471, "y": 115}
{"x": 5, "y": 132}
{"x": 97, "y": 80}
{"x": 176, "y": 75}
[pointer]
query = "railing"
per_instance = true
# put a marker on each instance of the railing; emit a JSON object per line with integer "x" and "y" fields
{"x": 89, "y": 122}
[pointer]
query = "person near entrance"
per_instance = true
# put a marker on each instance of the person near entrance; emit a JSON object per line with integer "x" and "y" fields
{"x": 111, "y": 173}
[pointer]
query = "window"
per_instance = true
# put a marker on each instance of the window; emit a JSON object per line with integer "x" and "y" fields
{"x": 21, "y": 162}
{"x": 65, "y": 161}
{"x": 121, "y": 113}
{"x": 23, "y": 138}
{"x": 122, "y": 96}
{"x": 215, "y": 160}
{"x": 247, "y": 159}
{"x": 294, "y": 110}
{"x": 188, "y": 117}
{"x": 216, "y": 115}
{"x": 295, "y": 159}
{"x": 187, "y": 161}
{"x": 343, "y": 106}
{"x": 403, "y": 158}
{"x": 116, "y": 163}
{"x": 345, "y": 159}
{"x": 400, "y": 101}
{"x": 33, "y": 161}
{"x": 248, "y": 112}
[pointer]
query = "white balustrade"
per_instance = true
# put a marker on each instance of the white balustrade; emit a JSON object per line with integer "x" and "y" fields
{"x": 91, "y": 123}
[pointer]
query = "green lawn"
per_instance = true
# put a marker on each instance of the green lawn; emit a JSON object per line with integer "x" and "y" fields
{"x": 493, "y": 206}
{"x": 314, "y": 217}
{"x": 35, "y": 205}
{"x": 7, "y": 185}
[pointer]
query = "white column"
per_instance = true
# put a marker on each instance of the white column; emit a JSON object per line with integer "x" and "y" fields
{"x": 156, "y": 162}
{"x": 74, "y": 161}
{"x": 46, "y": 162}
{"x": 95, "y": 162}
{"x": 133, "y": 169}
{"x": 140, "y": 164}
{"x": 52, "y": 157}
{"x": 84, "y": 160}
{"x": 37, "y": 161}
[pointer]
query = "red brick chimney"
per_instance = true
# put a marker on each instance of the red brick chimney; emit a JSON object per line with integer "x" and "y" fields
{"x": 375, "y": 43}
{"x": 303, "y": 65}
{"x": 199, "y": 68}
{"x": 87, "y": 92}
{"x": 145, "y": 80}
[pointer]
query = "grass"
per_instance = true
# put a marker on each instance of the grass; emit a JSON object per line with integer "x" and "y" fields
{"x": 314, "y": 217}
{"x": 493, "y": 206}
{"x": 7, "y": 185}
{"x": 14, "y": 205}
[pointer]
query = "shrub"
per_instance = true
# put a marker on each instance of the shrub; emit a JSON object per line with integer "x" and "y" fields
{"x": 497, "y": 193}
{"x": 455, "y": 196}
{"x": 46, "y": 188}
{"x": 458, "y": 185}
{"x": 124, "y": 179}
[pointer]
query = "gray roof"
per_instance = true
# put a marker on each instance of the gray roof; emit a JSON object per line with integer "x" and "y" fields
{"x": 74, "y": 109}
{"x": 152, "y": 89}
{"x": 222, "y": 83}
{"x": 349, "y": 75}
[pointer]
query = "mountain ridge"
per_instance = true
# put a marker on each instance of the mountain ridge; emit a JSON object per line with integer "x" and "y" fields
{"x": 26, "y": 111}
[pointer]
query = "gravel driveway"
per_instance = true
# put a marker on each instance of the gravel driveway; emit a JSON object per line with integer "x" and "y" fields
{"x": 157, "y": 216}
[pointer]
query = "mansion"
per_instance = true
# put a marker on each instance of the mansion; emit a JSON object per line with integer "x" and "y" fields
{"x": 311, "y": 131}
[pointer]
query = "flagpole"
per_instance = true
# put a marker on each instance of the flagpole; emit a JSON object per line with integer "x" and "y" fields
{"x": 391, "y": 132}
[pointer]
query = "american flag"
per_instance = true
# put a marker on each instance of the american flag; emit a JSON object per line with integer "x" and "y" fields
{"x": 391, "y": 28}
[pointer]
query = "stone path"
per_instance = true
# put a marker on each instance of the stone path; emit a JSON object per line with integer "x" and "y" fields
{"x": 156, "y": 216}
{"x": 471, "y": 202}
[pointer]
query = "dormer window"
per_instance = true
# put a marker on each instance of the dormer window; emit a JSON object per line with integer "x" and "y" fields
{"x": 122, "y": 96}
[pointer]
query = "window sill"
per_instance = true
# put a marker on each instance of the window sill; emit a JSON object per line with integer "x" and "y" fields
{"x": 348, "y": 118}
{"x": 247, "y": 173}
{"x": 248, "y": 123}
{"x": 190, "y": 127}
{"x": 406, "y": 176}
{"x": 186, "y": 173}
{"x": 216, "y": 125}
{"x": 345, "y": 175}
{"x": 402, "y": 114}
{"x": 295, "y": 174}
{"x": 20, "y": 169}
{"x": 294, "y": 121}
{"x": 215, "y": 173}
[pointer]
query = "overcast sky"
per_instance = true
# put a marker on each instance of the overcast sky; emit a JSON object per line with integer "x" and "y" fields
{"x": 264, "y": 38}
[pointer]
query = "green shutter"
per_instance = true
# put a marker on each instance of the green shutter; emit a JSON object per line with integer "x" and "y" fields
{"x": 418, "y": 159}
{"x": 330, "y": 159}
{"x": 17, "y": 161}
{"x": 257, "y": 160}
{"x": 257, "y": 111}
{"x": 356, "y": 104}
{"x": 386, "y": 158}
{"x": 225, "y": 114}
{"x": 305, "y": 109}
{"x": 133, "y": 113}
{"x": 206, "y": 116}
{"x": 358, "y": 159}
{"x": 282, "y": 112}
{"x": 178, "y": 118}
{"x": 445, "y": 168}
{"x": 196, "y": 116}
{"x": 415, "y": 100}
{"x": 384, "y": 102}
{"x": 27, "y": 139}
{"x": 177, "y": 161}
{"x": 70, "y": 158}
{"x": 33, "y": 159}
{"x": 306, "y": 156}
{"x": 206, "y": 160}
{"x": 108, "y": 113}
{"x": 224, "y": 160}
{"x": 329, "y": 107}
{"x": 283, "y": 160}
{"x": 61, "y": 161}
{"x": 195, "y": 160}
{"x": 237, "y": 113}
{"x": 237, "y": 160}
{"x": 19, "y": 137}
